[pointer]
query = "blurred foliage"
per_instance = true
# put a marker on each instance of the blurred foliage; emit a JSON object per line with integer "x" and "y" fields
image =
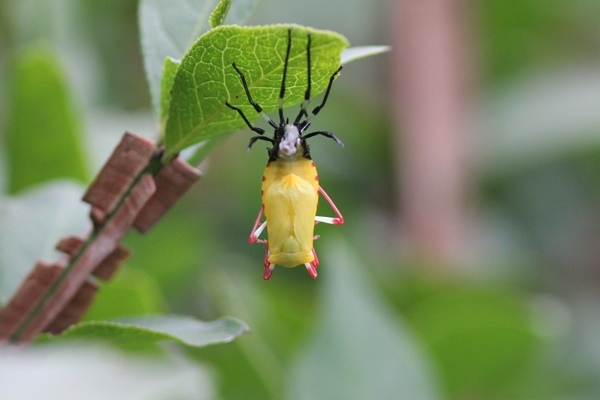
{"x": 36, "y": 140}
{"x": 519, "y": 323}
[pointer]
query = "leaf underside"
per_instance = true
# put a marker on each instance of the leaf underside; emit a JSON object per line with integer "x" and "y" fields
{"x": 205, "y": 79}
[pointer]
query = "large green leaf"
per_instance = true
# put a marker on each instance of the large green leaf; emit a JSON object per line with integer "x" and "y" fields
{"x": 360, "y": 349}
{"x": 93, "y": 372}
{"x": 150, "y": 329}
{"x": 483, "y": 337}
{"x": 43, "y": 135}
{"x": 169, "y": 27}
{"x": 205, "y": 79}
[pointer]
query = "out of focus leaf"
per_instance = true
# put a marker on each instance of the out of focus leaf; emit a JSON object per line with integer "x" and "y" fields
{"x": 537, "y": 118}
{"x": 482, "y": 337}
{"x": 150, "y": 329}
{"x": 360, "y": 349}
{"x": 356, "y": 53}
{"x": 131, "y": 292}
{"x": 43, "y": 135}
{"x": 169, "y": 27}
{"x": 30, "y": 226}
{"x": 170, "y": 270}
{"x": 97, "y": 373}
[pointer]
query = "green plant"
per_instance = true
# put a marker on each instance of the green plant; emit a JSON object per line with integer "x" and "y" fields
{"x": 188, "y": 97}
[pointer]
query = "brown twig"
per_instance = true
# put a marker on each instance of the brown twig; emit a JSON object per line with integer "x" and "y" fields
{"x": 132, "y": 189}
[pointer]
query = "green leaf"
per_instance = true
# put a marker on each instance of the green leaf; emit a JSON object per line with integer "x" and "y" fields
{"x": 43, "y": 135}
{"x": 356, "y": 53}
{"x": 92, "y": 372}
{"x": 151, "y": 329}
{"x": 359, "y": 349}
{"x": 31, "y": 224}
{"x": 169, "y": 27}
{"x": 483, "y": 337}
{"x": 220, "y": 13}
{"x": 169, "y": 69}
{"x": 205, "y": 80}
{"x": 131, "y": 292}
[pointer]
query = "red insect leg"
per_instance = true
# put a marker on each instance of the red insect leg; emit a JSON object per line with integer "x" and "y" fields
{"x": 312, "y": 271}
{"x": 339, "y": 219}
{"x": 268, "y": 266}
{"x": 315, "y": 262}
{"x": 257, "y": 230}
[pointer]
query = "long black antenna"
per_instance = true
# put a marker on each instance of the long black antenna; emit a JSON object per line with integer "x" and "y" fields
{"x": 306, "y": 101}
{"x": 285, "y": 66}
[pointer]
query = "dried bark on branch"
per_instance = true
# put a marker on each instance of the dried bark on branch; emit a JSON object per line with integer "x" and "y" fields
{"x": 133, "y": 189}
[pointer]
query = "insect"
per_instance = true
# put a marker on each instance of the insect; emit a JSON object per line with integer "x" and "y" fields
{"x": 290, "y": 185}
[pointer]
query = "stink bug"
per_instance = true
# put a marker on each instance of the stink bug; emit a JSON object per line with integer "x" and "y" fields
{"x": 290, "y": 187}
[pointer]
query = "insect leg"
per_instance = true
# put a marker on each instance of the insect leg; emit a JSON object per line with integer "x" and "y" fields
{"x": 311, "y": 269}
{"x": 256, "y": 106}
{"x": 268, "y": 268}
{"x": 318, "y": 108}
{"x": 338, "y": 220}
{"x": 257, "y": 230}
{"x": 315, "y": 262}
{"x": 326, "y": 134}
{"x": 255, "y": 138}
{"x": 256, "y": 129}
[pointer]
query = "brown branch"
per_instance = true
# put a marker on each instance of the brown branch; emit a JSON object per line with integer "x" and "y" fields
{"x": 132, "y": 189}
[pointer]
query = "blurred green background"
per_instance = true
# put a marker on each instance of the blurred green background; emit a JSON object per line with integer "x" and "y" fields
{"x": 515, "y": 318}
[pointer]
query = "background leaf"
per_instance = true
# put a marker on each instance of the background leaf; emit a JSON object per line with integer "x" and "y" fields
{"x": 150, "y": 329}
{"x": 134, "y": 290}
{"x": 31, "y": 225}
{"x": 359, "y": 349}
{"x": 205, "y": 79}
{"x": 97, "y": 373}
{"x": 43, "y": 130}
{"x": 358, "y": 52}
{"x": 169, "y": 27}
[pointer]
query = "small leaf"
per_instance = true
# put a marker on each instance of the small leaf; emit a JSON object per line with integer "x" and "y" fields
{"x": 43, "y": 135}
{"x": 169, "y": 69}
{"x": 169, "y": 27}
{"x": 206, "y": 79}
{"x": 359, "y": 350}
{"x": 220, "y": 13}
{"x": 150, "y": 329}
{"x": 356, "y": 53}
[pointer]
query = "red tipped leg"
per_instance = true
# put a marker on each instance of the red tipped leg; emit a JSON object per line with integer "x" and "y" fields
{"x": 268, "y": 271}
{"x": 311, "y": 269}
{"x": 256, "y": 229}
{"x": 338, "y": 220}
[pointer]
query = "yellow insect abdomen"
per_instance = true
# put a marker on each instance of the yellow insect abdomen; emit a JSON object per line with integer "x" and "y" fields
{"x": 290, "y": 197}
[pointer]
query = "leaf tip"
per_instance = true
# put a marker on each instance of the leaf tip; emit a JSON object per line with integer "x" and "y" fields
{"x": 356, "y": 53}
{"x": 220, "y": 13}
